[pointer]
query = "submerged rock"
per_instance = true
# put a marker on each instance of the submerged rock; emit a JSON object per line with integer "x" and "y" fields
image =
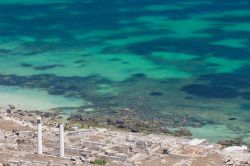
{"x": 12, "y": 107}
{"x": 46, "y": 67}
{"x": 134, "y": 130}
{"x": 227, "y": 143}
{"x": 232, "y": 118}
{"x": 139, "y": 75}
{"x": 26, "y": 65}
{"x": 76, "y": 117}
{"x": 120, "y": 122}
{"x": 111, "y": 121}
{"x": 50, "y": 114}
{"x": 155, "y": 94}
{"x": 183, "y": 132}
{"x": 8, "y": 111}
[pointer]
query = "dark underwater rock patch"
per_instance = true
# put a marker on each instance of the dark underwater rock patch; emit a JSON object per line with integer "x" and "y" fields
{"x": 58, "y": 90}
{"x": 26, "y": 65}
{"x": 139, "y": 75}
{"x": 156, "y": 94}
{"x": 211, "y": 91}
{"x": 73, "y": 87}
{"x": 79, "y": 61}
{"x": 86, "y": 55}
{"x": 76, "y": 117}
{"x": 234, "y": 80}
{"x": 47, "y": 67}
{"x": 183, "y": 132}
{"x": 211, "y": 65}
{"x": 54, "y": 85}
{"x": 232, "y": 118}
{"x": 115, "y": 59}
{"x": 120, "y": 123}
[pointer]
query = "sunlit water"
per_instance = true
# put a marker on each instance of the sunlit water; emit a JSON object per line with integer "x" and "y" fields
{"x": 162, "y": 58}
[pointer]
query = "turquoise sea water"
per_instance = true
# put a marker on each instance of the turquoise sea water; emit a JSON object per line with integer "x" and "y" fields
{"x": 188, "y": 62}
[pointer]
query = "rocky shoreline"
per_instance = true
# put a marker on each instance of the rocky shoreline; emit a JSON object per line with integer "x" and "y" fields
{"x": 127, "y": 143}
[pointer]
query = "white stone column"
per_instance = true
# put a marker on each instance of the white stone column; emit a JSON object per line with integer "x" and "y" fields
{"x": 39, "y": 136}
{"x": 61, "y": 129}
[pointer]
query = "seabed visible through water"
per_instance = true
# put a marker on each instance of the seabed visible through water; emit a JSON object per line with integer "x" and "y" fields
{"x": 163, "y": 59}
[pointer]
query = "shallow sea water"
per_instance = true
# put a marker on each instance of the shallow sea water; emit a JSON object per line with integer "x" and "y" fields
{"x": 163, "y": 59}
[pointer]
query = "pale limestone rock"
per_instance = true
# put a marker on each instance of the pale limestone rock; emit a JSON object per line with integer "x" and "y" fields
{"x": 197, "y": 141}
{"x": 235, "y": 148}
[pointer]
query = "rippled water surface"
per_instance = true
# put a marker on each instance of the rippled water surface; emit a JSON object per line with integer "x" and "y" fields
{"x": 188, "y": 61}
